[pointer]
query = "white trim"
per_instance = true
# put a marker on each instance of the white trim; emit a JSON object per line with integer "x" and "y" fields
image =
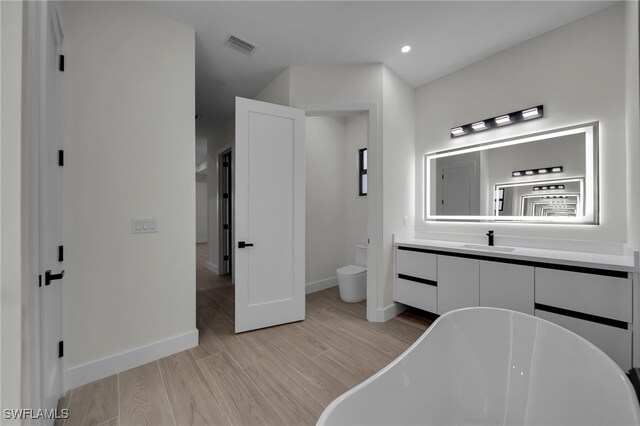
{"x": 385, "y": 314}
{"x": 375, "y": 250}
{"x": 212, "y": 267}
{"x": 321, "y": 285}
{"x": 104, "y": 367}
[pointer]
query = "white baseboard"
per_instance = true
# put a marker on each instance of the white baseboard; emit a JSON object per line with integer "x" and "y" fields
{"x": 104, "y": 367}
{"x": 321, "y": 285}
{"x": 385, "y": 314}
{"x": 213, "y": 268}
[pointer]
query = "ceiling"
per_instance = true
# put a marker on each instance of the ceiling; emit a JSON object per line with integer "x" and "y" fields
{"x": 445, "y": 36}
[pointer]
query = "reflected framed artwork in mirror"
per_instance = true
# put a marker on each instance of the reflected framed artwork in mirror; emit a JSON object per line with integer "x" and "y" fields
{"x": 546, "y": 177}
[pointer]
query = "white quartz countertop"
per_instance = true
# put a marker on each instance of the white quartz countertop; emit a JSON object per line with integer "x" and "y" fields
{"x": 626, "y": 261}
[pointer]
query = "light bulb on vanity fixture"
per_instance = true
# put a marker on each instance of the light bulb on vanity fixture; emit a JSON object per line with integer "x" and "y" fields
{"x": 503, "y": 119}
{"x": 545, "y": 170}
{"x": 406, "y": 48}
{"x": 498, "y": 121}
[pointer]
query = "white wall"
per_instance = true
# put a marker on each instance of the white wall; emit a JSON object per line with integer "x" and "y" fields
{"x": 131, "y": 96}
{"x": 577, "y": 73}
{"x": 632, "y": 118}
{"x": 398, "y": 172}
{"x": 202, "y": 235}
{"x": 11, "y": 223}
{"x": 336, "y": 216}
{"x": 355, "y": 205}
{"x": 276, "y": 92}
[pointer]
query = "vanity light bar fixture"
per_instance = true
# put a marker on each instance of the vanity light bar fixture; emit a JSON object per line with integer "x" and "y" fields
{"x": 554, "y": 196}
{"x": 547, "y": 187}
{"x": 499, "y": 121}
{"x": 517, "y": 173}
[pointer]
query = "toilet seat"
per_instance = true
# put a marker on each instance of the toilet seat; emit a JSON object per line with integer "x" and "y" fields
{"x": 351, "y": 270}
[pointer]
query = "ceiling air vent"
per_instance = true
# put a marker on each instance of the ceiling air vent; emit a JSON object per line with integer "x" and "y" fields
{"x": 240, "y": 45}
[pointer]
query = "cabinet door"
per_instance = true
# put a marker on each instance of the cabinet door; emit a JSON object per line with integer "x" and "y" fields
{"x": 615, "y": 342}
{"x": 458, "y": 283}
{"x": 503, "y": 285}
{"x": 600, "y": 295}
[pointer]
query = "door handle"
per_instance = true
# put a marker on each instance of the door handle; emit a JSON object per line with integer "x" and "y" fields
{"x": 242, "y": 244}
{"x": 48, "y": 277}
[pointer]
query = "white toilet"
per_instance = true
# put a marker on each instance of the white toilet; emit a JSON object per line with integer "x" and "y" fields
{"x": 352, "y": 279}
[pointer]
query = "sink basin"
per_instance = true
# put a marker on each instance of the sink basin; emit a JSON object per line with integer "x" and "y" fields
{"x": 489, "y": 248}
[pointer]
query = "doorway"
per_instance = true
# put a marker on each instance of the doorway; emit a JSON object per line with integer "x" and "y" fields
{"x": 336, "y": 205}
{"x": 374, "y": 184}
{"x": 225, "y": 212}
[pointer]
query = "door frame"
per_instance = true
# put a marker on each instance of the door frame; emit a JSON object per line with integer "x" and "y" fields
{"x": 472, "y": 181}
{"x": 374, "y": 191}
{"x": 37, "y": 17}
{"x": 227, "y": 149}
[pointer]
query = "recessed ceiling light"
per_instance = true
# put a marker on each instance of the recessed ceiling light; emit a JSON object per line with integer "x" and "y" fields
{"x": 406, "y": 49}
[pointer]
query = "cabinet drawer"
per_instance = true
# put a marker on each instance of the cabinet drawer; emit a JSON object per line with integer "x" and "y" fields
{"x": 418, "y": 295}
{"x": 615, "y": 342}
{"x": 600, "y": 295}
{"x": 416, "y": 264}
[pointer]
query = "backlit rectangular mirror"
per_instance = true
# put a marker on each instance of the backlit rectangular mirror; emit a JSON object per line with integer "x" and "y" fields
{"x": 546, "y": 177}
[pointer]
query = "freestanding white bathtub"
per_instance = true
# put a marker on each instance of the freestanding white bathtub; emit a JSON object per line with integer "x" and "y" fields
{"x": 487, "y": 366}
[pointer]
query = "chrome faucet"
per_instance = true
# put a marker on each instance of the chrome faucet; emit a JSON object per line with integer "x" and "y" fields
{"x": 490, "y": 235}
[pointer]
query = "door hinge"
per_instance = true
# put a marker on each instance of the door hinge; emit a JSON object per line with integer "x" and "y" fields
{"x": 442, "y": 202}
{"x": 60, "y": 349}
{"x": 39, "y": 280}
{"x": 225, "y": 226}
{"x": 226, "y": 257}
{"x": 60, "y": 253}
{"x": 225, "y": 164}
{"x": 225, "y": 195}
{"x": 442, "y": 176}
{"x": 61, "y": 63}
{"x": 60, "y": 158}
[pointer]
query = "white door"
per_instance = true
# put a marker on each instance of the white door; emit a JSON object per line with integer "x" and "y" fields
{"x": 456, "y": 190}
{"x": 269, "y": 216}
{"x": 51, "y": 250}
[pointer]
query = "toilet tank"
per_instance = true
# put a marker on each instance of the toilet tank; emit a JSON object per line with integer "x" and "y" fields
{"x": 361, "y": 255}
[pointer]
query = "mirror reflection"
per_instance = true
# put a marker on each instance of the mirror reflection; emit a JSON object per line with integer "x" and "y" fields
{"x": 543, "y": 177}
{"x": 542, "y": 198}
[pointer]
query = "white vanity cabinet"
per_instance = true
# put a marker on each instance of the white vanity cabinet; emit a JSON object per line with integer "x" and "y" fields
{"x": 458, "y": 283}
{"x": 593, "y": 302}
{"x": 508, "y": 286}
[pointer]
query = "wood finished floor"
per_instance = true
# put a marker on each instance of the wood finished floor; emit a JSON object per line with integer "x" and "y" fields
{"x": 284, "y": 375}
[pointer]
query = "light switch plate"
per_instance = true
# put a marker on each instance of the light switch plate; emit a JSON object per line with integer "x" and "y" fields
{"x": 144, "y": 226}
